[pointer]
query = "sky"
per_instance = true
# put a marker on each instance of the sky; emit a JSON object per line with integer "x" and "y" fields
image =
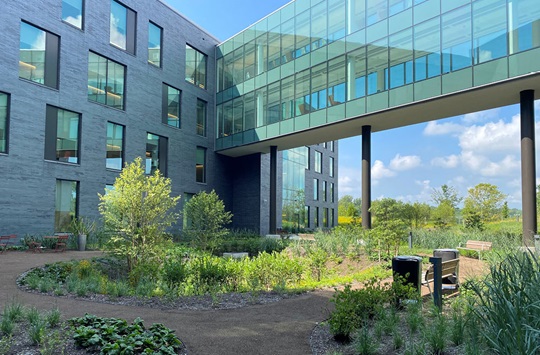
{"x": 408, "y": 163}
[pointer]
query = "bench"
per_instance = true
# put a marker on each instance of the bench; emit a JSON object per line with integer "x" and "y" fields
{"x": 477, "y": 246}
{"x": 450, "y": 268}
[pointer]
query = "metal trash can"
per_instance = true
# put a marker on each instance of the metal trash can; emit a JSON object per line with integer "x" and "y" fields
{"x": 410, "y": 268}
{"x": 445, "y": 255}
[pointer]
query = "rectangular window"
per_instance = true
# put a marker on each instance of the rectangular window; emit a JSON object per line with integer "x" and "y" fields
{"x": 123, "y": 25}
{"x": 332, "y": 199}
{"x": 332, "y": 218}
{"x": 156, "y": 154}
{"x": 307, "y": 217}
{"x": 4, "y": 122}
{"x": 62, "y": 135}
{"x": 154, "y": 44}
{"x": 324, "y": 191}
{"x": 106, "y": 81}
{"x": 524, "y": 21}
{"x": 456, "y": 40}
{"x": 200, "y": 165}
{"x": 316, "y": 218}
{"x": 171, "y": 106}
{"x": 38, "y": 55}
{"x": 73, "y": 12}
{"x": 318, "y": 162}
{"x": 315, "y": 189}
{"x": 325, "y": 217}
{"x": 66, "y": 204}
{"x": 201, "y": 117}
{"x": 489, "y": 30}
{"x": 115, "y": 146}
{"x": 195, "y": 67}
{"x": 331, "y": 166}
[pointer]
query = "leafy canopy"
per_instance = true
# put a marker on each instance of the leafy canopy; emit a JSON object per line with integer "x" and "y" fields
{"x": 138, "y": 211}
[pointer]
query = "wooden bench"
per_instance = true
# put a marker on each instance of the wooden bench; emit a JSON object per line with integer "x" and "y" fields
{"x": 450, "y": 268}
{"x": 478, "y": 246}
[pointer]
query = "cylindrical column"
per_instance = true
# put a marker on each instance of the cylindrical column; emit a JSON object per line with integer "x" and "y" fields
{"x": 273, "y": 189}
{"x": 437, "y": 281}
{"x": 528, "y": 167}
{"x": 366, "y": 177}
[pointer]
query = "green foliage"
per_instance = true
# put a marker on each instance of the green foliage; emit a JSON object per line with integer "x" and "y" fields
{"x": 116, "y": 336}
{"x": 507, "y": 305}
{"x": 364, "y": 344}
{"x": 207, "y": 219}
{"x": 353, "y": 307}
{"x": 349, "y": 206}
{"x": 138, "y": 211}
{"x": 484, "y": 199}
{"x": 444, "y": 215}
{"x": 473, "y": 221}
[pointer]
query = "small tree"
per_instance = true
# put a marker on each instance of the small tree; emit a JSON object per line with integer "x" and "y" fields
{"x": 138, "y": 210}
{"x": 207, "y": 219}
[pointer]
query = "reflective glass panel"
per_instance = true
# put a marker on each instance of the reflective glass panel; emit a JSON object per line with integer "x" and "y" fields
{"x": 152, "y": 153}
{"x": 67, "y": 137}
{"x": 118, "y": 25}
{"x": 154, "y": 44}
{"x": 115, "y": 146}
{"x": 489, "y": 30}
{"x": 427, "y": 51}
{"x": 173, "y": 107}
{"x": 195, "y": 67}
{"x": 201, "y": 118}
{"x": 105, "y": 81}
{"x": 524, "y": 22}
{"x": 72, "y": 12}
{"x": 456, "y": 40}
{"x": 356, "y": 74}
{"x": 66, "y": 204}
{"x": 32, "y": 53}
{"x": 200, "y": 165}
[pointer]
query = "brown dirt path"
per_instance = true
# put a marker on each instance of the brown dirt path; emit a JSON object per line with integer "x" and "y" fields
{"x": 278, "y": 328}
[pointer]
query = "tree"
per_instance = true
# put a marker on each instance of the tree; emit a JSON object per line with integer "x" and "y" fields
{"x": 484, "y": 199}
{"x": 505, "y": 210}
{"x": 207, "y": 219}
{"x": 444, "y": 215}
{"x": 391, "y": 226}
{"x": 138, "y": 211}
{"x": 446, "y": 194}
{"x": 416, "y": 214}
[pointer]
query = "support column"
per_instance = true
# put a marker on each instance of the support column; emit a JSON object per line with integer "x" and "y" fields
{"x": 366, "y": 177}
{"x": 273, "y": 189}
{"x": 528, "y": 167}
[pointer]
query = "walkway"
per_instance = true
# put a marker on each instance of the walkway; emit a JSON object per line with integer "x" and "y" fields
{"x": 279, "y": 328}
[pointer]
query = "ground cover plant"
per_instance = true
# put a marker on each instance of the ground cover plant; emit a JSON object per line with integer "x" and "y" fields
{"x": 495, "y": 314}
{"x": 28, "y": 330}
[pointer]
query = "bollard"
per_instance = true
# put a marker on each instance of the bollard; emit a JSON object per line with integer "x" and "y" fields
{"x": 410, "y": 240}
{"x": 437, "y": 281}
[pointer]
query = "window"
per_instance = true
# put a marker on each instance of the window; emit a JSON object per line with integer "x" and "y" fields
{"x": 38, "y": 55}
{"x": 195, "y": 67}
{"x": 171, "y": 106}
{"x": 201, "y": 117}
{"x": 200, "y": 165}
{"x": 324, "y": 190}
{"x": 72, "y": 12}
{"x": 316, "y": 218}
{"x": 331, "y": 166}
{"x": 318, "y": 162}
{"x": 105, "y": 81}
{"x": 115, "y": 146}
{"x": 66, "y": 204}
{"x": 62, "y": 135}
{"x": 524, "y": 24}
{"x": 332, "y": 199}
{"x": 456, "y": 40}
{"x": 332, "y": 218}
{"x": 186, "y": 222}
{"x": 489, "y": 30}
{"x": 4, "y": 122}
{"x": 122, "y": 27}
{"x": 315, "y": 189}
{"x": 156, "y": 154}
{"x": 325, "y": 217}
{"x": 154, "y": 44}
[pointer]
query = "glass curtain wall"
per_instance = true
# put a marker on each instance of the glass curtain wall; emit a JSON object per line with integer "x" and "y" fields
{"x": 339, "y": 51}
{"x": 293, "y": 191}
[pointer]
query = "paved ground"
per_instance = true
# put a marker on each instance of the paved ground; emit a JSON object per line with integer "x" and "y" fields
{"x": 279, "y": 328}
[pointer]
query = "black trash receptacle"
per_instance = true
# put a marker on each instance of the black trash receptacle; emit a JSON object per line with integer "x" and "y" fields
{"x": 410, "y": 268}
{"x": 445, "y": 255}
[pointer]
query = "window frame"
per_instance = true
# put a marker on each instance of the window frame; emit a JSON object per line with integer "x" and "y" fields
{"x": 123, "y": 147}
{"x": 131, "y": 29}
{"x": 151, "y": 23}
{"x": 204, "y": 165}
{"x": 6, "y": 126}
{"x": 163, "y": 154}
{"x": 77, "y": 201}
{"x": 98, "y": 90}
{"x": 81, "y": 27}
{"x": 165, "y": 105}
{"x": 204, "y": 118}
{"x": 51, "y": 71}
{"x": 196, "y": 73}
{"x": 51, "y": 135}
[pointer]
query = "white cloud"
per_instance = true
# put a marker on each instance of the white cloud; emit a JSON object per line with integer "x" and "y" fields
{"x": 75, "y": 21}
{"x": 493, "y": 136}
{"x": 379, "y": 171}
{"x": 481, "y": 116}
{"x": 434, "y": 128}
{"x": 350, "y": 182}
{"x": 449, "y": 162}
{"x": 117, "y": 38}
{"x": 407, "y": 162}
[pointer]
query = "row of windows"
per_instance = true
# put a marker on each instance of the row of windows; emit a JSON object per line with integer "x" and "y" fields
{"x": 63, "y": 142}
{"x": 483, "y": 21}
{"x": 326, "y": 190}
{"x": 328, "y": 217}
{"x": 39, "y": 53}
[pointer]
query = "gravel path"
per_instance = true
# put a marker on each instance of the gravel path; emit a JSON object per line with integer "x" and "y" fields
{"x": 282, "y": 327}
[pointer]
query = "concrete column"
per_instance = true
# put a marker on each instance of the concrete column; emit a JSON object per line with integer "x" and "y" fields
{"x": 366, "y": 177}
{"x": 273, "y": 189}
{"x": 528, "y": 167}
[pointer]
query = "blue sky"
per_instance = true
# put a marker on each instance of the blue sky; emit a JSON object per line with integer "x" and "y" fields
{"x": 409, "y": 162}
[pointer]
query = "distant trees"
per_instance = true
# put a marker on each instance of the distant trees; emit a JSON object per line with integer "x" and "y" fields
{"x": 446, "y": 199}
{"x": 485, "y": 200}
{"x": 349, "y": 206}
